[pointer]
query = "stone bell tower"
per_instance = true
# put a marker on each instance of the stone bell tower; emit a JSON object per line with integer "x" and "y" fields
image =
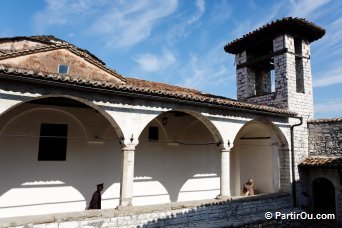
{"x": 273, "y": 68}
{"x": 273, "y": 65}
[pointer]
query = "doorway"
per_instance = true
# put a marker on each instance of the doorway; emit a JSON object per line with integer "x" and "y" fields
{"x": 323, "y": 196}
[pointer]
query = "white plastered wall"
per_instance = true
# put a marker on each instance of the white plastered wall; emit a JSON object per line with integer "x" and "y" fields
{"x": 94, "y": 156}
{"x": 256, "y": 155}
{"x": 167, "y": 171}
{"x": 195, "y": 170}
{"x": 29, "y": 186}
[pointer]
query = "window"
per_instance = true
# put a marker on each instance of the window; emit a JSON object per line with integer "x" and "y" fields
{"x": 153, "y": 133}
{"x": 63, "y": 69}
{"x": 260, "y": 64}
{"x": 273, "y": 80}
{"x": 264, "y": 80}
{"x": 53, "y": 142}
{"x": 299, "y": 66}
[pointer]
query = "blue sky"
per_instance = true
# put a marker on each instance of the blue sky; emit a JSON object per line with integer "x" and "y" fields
{"x": 181, "y": 42}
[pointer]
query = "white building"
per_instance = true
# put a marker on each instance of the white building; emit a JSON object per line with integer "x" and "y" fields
{"x": 67, "y": 123}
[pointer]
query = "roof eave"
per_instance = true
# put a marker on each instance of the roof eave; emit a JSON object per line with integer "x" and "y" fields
{"x": 294, "y": 26}
{"x": 139, "y": 94}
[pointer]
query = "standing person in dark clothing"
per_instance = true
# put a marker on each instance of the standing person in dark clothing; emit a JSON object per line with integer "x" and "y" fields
{"x": 95, "y": 202}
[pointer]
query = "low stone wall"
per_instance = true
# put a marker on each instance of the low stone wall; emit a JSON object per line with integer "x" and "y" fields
{"x": 207, "y": 213}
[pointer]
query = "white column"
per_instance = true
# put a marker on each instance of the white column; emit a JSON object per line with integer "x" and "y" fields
{"x": 225, "y": 173}
{"x": 127, "y": 174}
{"x": 276, "y": 167}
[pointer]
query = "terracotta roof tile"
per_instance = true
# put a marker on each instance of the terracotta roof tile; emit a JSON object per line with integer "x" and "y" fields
{"x": 296, "y": 26}
{"x": 322, "y": 162}
{"x": 338, "y": 119}
{"x": 138, "y": 86}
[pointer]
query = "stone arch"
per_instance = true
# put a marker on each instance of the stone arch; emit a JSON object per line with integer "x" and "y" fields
{"x": 74, "y": 98}
{"x": 2, "y": 128}
{"x": 85, "y": 158}
{"x": 259, "y": 143}
{"x": 323, "y": 191}
{"x": 204, "y": 120}
{"x": 278, "y": 134}
{"x": 182, "y": 161}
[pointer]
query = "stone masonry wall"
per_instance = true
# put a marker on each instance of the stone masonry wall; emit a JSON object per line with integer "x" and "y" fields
{"x": 299, "y": 102}
{"x": 237, "y": 212}
{"x": 279, "y": 98}
{"x": 325, "y": 137}
{"x": 245, "y": 78}
{"x": 333, "y": 176}
{"x": 287, "y": 95}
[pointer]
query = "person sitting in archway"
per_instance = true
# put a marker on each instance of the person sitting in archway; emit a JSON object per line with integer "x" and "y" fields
{"x": 248, "y": 188}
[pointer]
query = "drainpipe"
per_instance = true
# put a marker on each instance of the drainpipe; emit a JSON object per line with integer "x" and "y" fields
{"x": 293, "y": 160}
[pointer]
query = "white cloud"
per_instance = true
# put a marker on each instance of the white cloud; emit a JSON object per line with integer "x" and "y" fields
{"x": 130, "y": 22}
{"x": 183, "y": 25}
{"x": 206, "y": 73}
{"x": 221, "y": 12}
{"x": 119, "y": 23}
{"x": 63, "y": 12}
{"x": 200, "y": 5}
{"x": 328, "y": 109}
{"x": 293, "y": 8}
{"x": 330, "y": 46}
{"x": 203, "y": 73}
{"x": 331, "y": 77}
{"x": 305, "y": 8}
{"x": 152, "y": 63}
{"x": 252, "y": 23}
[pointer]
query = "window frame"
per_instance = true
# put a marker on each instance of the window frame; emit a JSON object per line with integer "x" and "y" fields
{"x": 153, "y": 133}
{"x": 53, "y": 142}
{"x": 63, "y": 65}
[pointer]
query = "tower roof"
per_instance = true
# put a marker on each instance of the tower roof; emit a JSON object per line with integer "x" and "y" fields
{"x": 298, "y": 27}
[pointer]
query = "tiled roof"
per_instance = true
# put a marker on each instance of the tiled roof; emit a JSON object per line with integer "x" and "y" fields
{"x": 138, "y": 86}
{"x": 322, "y": 162}
{"x": 54, "y": 43}
{"x": 296, "y": 26}
{"x": 338, "y": 119}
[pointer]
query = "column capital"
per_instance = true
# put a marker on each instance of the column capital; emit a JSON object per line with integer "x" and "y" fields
{"x": 129, "y": 146}
{"x": 225, "y": 146}
{"x": 222, "y": 150}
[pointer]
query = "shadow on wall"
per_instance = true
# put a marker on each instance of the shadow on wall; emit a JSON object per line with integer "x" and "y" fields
{"x": 29, "y": 186}
{"x": 179, "y": 174}
{"x": 169, "y": 172}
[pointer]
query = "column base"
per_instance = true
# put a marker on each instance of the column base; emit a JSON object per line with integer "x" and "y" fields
{"x": 221, "y": 197}
{"x": 125, "y": 202}
{"x": 124, "y": 208}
